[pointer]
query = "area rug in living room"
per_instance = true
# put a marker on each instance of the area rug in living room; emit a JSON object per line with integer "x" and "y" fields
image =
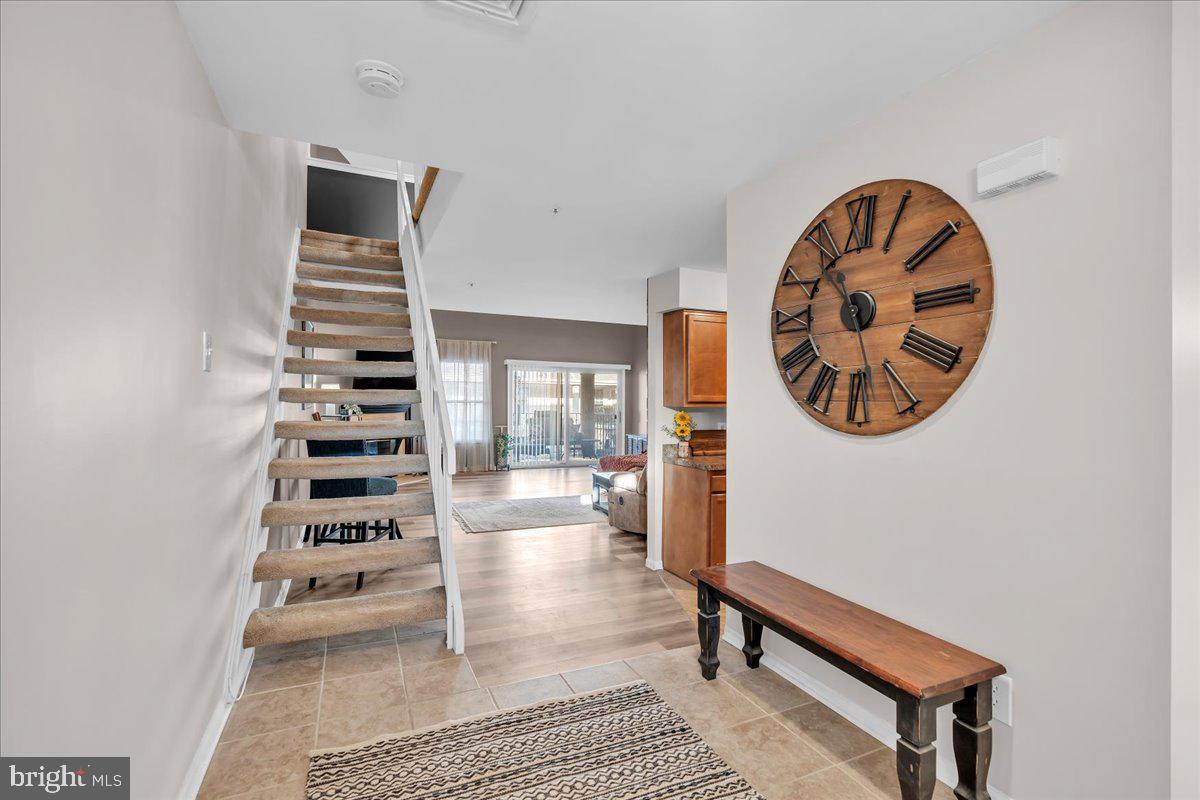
{"x": 482, "y": 516}
{"x": 616, "y": 744}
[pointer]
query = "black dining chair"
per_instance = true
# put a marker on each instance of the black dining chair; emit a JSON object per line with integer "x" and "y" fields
{"x": 387, "y": 383}
{"x": 347, "y": 532}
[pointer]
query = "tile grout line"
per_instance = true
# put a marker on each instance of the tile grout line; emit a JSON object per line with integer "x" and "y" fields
{"x": 875, "y": 790}
{"x": 756, "y": 703}
{"x": 320, "y": 696}
{"x": 400, "y": 666}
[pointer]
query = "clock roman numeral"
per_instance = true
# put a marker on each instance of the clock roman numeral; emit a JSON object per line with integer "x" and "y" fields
{"x": 945, "y": 296}
{"x": 862, "y": 221}
{"x": 827, "y": 249}
{"x": 799, "y": 358}
{"x": 930, "y": 247}
{"x": 786, "y": 322}
{"x": 823, "y": 385}
{"x": 887, "y": 240}
{"x": 858, "y": 399}
{"x": 940, "y": 353}
{"x": 893, "y": 381}
{"x": 790, "y": 278}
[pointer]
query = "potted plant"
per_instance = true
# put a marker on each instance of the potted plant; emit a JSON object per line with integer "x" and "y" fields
{"x": 352, "y": 410}
{"x": 501, "y": 442}
{"x": 682, "y": 432}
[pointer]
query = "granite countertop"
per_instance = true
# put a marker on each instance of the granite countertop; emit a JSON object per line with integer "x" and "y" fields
{"x": 711, "y": 463}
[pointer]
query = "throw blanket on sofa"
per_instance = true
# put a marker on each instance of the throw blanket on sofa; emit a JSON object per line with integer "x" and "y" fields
{"x": 626, "y": 463}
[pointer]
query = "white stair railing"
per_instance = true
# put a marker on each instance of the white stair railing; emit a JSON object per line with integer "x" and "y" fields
{"x": 439, "y": 438}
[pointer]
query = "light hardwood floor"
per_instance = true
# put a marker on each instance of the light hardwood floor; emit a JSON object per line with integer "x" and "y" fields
{"x": 542, "y": 600}
{"x": 549, "y": 612}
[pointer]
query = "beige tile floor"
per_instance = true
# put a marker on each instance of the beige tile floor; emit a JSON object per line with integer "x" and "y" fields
{"x": 328, "y": 694}
{"x": 556, "y": 583}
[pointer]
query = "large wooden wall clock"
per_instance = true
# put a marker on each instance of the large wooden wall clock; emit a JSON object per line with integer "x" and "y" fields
{"x": 882, "y": 307}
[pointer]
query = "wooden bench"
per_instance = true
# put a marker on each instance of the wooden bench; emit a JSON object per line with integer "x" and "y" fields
{"x": 920, "y": 672}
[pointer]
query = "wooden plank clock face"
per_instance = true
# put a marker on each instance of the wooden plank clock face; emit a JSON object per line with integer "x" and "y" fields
{"x": 882, "y": 307}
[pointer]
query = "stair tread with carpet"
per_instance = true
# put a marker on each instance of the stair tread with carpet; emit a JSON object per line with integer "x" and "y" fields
{"x": 330, "y": 468}
{"x": 339, "y": 316}
{"x": 350, "y": 341}
{"x": 350, "y": 258}
{"x": 321, "y": 618}
{"x": 320, "y": 272}
{"x": 277, "y": 565}
{"x": 338, "y": 430}
{"x": 296, "y": 394}
{"x": 334, "y": 510}
{"x": 342, "y": 241}
{"x": 358, "y": 369}
{"x": 334, "y": 294}
{"x": 359, "y": 282}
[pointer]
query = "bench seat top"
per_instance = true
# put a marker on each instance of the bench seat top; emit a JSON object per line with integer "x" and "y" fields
{"x": 910, "y": 660}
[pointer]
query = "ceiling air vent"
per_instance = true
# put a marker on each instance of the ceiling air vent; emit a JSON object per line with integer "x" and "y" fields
{"x": 378, "y": 78}
{"x": 499, "y": 10}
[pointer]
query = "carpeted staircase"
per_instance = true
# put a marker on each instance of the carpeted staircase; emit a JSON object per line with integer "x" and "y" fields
{"x": 330, "y": 264}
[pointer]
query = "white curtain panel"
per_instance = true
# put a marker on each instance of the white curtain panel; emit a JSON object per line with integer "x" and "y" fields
{"x": 467, "y": 374}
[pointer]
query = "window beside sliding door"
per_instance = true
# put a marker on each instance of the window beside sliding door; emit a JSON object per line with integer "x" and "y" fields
{"x": 564, "y": 413}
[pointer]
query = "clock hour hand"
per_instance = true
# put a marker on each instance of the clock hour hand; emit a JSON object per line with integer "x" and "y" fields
{"x": 839, "y": 280}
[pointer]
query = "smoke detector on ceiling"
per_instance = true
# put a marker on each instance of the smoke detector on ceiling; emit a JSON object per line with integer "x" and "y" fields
{"x": 378, "y": 78}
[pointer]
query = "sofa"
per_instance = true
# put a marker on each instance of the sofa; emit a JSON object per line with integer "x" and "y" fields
{"x": 627, "y": 501}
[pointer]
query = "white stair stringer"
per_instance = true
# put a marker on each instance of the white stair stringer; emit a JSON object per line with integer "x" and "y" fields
{"x": 439, "y": 438}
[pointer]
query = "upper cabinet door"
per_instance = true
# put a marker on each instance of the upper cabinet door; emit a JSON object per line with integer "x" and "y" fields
{"x": 693, "y": 358}
{"x": 706, "y": 357}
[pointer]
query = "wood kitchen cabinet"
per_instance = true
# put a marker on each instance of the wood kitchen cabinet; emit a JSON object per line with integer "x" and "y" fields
{"x": 694, "y": 359}
{"x": 693, "y": 514}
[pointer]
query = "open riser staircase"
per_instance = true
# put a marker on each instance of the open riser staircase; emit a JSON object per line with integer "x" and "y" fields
{"x": 371, "y": 292}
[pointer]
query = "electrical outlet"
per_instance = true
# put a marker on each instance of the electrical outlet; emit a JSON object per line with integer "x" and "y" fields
{"x": 1002, "y": 699}
{"x": 206, "y": 347}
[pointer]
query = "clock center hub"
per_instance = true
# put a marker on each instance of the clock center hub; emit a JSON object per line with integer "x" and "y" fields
{"x": 862, "y": 304}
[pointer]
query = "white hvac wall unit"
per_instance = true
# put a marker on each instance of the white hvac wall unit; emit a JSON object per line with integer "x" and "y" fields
{"x": 1023, "y": 165}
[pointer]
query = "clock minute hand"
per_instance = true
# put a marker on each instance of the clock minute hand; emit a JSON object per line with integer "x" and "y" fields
{"x": 839, "y": 279}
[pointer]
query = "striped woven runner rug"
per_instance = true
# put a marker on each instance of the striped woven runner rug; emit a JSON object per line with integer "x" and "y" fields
{"x": 622, "y": 743}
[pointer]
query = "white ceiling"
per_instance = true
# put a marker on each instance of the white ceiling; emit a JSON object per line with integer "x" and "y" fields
{"x": 633, "y": 118}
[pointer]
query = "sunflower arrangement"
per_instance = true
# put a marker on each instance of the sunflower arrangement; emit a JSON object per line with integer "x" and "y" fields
{"x": 683, "y": 426}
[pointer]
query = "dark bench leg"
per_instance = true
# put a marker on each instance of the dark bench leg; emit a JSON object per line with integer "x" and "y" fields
{"x": 753, "y": 647}
{"x": 708, "y": 624}
{"x": 916, "y": 757}
{"x": 973, "y": 742}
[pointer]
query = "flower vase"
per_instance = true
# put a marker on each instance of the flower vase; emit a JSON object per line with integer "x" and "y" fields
{"x": 685, "y": 449}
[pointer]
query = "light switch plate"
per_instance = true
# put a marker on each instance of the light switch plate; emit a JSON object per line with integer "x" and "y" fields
{"x": 206, "y": 346}
{"x": 1002, "y": 699}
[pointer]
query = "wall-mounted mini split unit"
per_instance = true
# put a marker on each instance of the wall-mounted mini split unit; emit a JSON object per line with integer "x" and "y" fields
{"x": 1026, "y": 164}
{"x": 378, "y": 78}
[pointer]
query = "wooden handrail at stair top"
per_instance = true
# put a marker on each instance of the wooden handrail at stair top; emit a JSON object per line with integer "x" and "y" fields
{"x": 427, "y": 180}
{"x": 915, "y": 662}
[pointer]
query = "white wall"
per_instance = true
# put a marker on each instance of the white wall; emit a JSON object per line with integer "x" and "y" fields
{"x": 1029, "y": 520}
{"x": 132, "y": 219}
{"x": 1185, "y": 434}
{"x": 678, "y": 288}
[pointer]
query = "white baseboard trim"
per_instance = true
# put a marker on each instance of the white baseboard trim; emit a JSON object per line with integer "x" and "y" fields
{"x": 652, "y": 564}
{"x": 204, "y": 752}
{"x": 882, "y": 729}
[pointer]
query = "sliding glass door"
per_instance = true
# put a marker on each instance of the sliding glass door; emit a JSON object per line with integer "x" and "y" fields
{"x": 560, "y": 414}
